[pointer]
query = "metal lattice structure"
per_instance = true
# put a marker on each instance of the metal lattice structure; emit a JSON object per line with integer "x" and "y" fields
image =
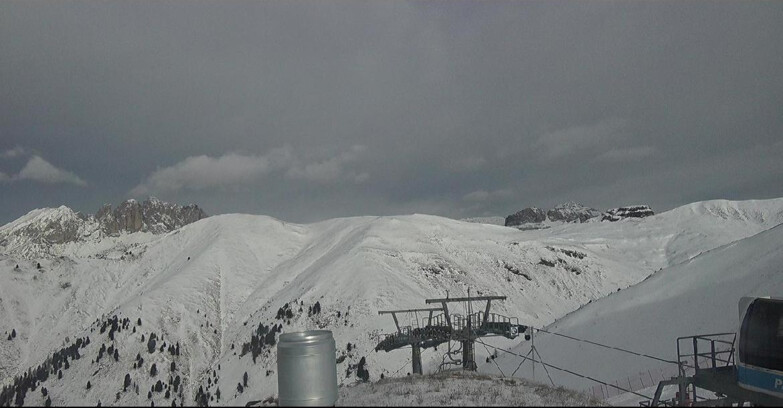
{"x": 707, "y": 363}
{"x": 441, "y": 326}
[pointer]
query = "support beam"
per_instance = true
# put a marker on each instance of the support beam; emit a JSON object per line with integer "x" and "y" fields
{"x": 464, "y": 299}
{"x": 469, "y": 355}
{"x": 446, "y": 314}
{"x": 396, "y": 323}
{"x": 416, "y": 358}
{"x": 426, "y": 309}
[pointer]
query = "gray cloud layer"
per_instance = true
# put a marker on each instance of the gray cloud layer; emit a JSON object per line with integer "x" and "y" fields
{"x": 305, "y": 110}
{"x": 39, "y": 170}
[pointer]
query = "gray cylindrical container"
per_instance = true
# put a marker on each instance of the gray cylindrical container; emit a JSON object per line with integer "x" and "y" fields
{"x": 306, "y": 369}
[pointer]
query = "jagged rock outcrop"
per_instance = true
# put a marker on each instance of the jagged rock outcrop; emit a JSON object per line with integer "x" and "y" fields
{"x": 633, "y": 211}
{"x": 529, "y": 215}
{"x": 567, "y": 212}
{"x": 152, "y": 215}
{"x": 40, "y": 230}
{"x": 572, "y": 212}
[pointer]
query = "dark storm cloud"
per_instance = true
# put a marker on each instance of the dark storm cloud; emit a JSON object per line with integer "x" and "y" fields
{"x": 308, "y": 110}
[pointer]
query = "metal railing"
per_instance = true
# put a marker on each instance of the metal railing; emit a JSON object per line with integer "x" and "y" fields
{"x": 705, "y": 351}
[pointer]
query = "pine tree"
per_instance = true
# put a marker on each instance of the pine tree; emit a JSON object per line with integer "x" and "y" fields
{"x": 127, "y": 382}
{"x": 173, "y": 366}
{"x": 89, "y": 385}
{"x": 244, "y": 379}
{"x": 239, "y": 388}
{"x": 48, "y": 402}
{"x": 13, "y": 333}
{"x": 153, "y": 370}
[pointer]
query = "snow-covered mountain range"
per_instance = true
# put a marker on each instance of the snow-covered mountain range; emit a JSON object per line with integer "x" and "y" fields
{"x": 60, "y": 231}
{"x": 697, "y": 296}
{"x": 215, "y": 292}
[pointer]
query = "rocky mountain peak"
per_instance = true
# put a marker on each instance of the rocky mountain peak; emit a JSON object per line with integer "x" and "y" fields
{"x": 572, "y": 212}
{"x": 631, "y": 211}
{"x": 567, "y": 212}
{"x": 39, "y": 230}
{"x": 152, "y": 215}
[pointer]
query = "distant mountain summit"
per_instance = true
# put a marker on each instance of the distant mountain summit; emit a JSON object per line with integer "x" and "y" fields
{"x": 38, "y": 232}
{"x": 631, "y": 211}
{"x": 566, "y": 212}
{"x": 152, "y": 215}
{"x": 572, "y": 212}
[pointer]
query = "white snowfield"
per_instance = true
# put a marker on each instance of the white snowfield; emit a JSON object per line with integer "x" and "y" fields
{"x": 698, "y": 296}
{"x": 209, "y": 285}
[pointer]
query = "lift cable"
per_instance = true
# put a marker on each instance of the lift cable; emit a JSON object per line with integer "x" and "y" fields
{"x": 574, "y": 373}
{"x": 493, "y": 359}
{"x": 542, "y": 362}
{"x": 610, "y": 347}
{"x": 403, "y": 366}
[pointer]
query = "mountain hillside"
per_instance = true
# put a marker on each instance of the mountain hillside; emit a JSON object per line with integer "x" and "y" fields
{"x": 699, "y": 296}
{"x": 62, "y": 231}
{"x": 215, "y": 294}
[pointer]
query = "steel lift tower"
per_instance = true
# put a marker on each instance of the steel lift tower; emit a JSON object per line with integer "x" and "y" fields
{"x": 446, "y": 326}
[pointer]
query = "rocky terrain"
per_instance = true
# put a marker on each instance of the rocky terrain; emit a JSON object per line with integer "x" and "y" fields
{"x": 152, "y": 215}
{"x": 47, "y": 231}
{"x": 567, "y": 212}
{"x": 634, "y": 211}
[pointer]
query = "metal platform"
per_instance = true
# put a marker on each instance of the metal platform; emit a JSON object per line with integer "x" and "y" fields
{"x": 461, "y": 328}
{"x": 712, "y": 370}
{"x": 444, "y": 327}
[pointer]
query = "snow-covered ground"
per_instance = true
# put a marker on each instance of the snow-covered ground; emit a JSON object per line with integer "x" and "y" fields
{"x": 699, "y": 296}
{"x": 210, "y": 284}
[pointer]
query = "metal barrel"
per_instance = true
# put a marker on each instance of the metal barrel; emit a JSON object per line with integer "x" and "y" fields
{"x": 306, "y": 369}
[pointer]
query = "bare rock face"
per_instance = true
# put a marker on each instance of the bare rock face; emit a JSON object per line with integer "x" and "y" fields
{"x": 152, "y": 215}
{"x": 633, "y": 211}
{"x": 41, "y": 231}
{"x": 568, "y": 212}
{"x": 572, "y": 212}
{"x": 529, "y": 215}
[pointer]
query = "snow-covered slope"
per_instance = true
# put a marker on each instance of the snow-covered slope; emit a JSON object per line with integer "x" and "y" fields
{"x": 699, "y": 296}
{"x": 47, "y": 232}
{"x": 492, "y": 220}
{"x": 212, "y": 284}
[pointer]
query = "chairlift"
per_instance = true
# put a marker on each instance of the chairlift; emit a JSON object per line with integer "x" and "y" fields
{"x": 759, "y": 357}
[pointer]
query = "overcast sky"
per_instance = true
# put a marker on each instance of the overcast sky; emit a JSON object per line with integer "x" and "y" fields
{"x": 307, "y": 110}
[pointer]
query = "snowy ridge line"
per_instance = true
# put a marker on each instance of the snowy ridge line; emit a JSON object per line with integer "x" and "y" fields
{"x": 611, "y": 347}
{"x": 587, "y": 377}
